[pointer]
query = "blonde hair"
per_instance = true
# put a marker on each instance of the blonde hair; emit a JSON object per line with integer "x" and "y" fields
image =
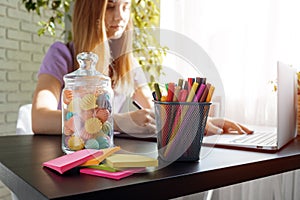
{"x": 89, "y": 34}
{"x": 122, "y": 65}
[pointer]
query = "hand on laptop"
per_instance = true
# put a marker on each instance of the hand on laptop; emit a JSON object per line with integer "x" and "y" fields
{"x": 222, "y": 126}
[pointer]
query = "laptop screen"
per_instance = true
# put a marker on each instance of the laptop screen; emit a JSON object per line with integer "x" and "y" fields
{"x": 287, "y": 103}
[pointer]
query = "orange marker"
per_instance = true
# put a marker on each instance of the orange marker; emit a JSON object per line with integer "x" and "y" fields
{"x": 210, "y": 93}
{"x": 163, "y": 98}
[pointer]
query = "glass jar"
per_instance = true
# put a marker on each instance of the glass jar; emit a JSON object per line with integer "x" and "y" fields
{"x": 87, "y": 97}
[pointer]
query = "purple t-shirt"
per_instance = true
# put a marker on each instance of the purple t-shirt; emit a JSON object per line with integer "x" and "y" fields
{"x": 58, "y": 62}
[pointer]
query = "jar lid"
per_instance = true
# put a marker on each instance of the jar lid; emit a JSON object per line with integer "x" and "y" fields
{"x": 87, "y": 70}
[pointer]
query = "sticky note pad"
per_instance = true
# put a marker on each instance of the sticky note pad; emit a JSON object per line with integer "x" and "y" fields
{"x": 69, "y": 161}
{"x": 112, "y": 175}
{"x": 130, "y": 160}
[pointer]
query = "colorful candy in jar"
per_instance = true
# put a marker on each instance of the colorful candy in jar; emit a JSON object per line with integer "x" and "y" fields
{"x": 102, "y": 114}
{"x": 92, "y": 116}
{"x": 88, "y": 102}
{"x": 92, "y": 144}
{"x": 87, "y": 106}
{"x": 103, "y": 141}
{"x": 107, "y": 128}
{"x": 103, "y": 101}
{"x": 93, "y": 125}
{"x": 85, "y": 135}
{"x": 67, "y": 96}
{"x": 75, "y": 143}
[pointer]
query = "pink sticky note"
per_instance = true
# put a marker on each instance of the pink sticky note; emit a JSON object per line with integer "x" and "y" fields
{"x": 69, "y": 161}
{"x": 112, "y": 175}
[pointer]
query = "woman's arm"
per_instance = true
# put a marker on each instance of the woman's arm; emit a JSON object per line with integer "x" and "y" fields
{"x": 143, "y": 96}
{"x": 223, "y": 125}
{"x": 46, "y": 119}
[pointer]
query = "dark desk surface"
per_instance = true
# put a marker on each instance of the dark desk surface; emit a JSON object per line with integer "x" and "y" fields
{"x": 22, "y": 157}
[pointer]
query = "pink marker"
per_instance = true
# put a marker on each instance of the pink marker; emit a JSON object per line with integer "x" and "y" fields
{"x": 199, "y": 93}
{"x": 182, "y": 95}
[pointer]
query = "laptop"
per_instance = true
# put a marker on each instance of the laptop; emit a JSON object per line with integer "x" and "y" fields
{"x": 268, "y": 138}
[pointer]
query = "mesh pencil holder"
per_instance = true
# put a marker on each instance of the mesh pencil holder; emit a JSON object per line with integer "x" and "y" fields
{"x": 180, "y": 129}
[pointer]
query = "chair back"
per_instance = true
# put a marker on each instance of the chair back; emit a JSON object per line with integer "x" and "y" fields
{"x": 24, "y": 120}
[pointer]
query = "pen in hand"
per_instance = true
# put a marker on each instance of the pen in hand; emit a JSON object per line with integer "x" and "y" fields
{"x": 136, "y": 104}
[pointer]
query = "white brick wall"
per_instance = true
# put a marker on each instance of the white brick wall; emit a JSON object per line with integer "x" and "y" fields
{"x": 21, "y": 52}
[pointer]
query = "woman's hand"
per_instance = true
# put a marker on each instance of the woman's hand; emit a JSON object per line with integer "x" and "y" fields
{"x": 138, "y": 123}
{"x": 220, "y": 125}
{"x": 143, "y": 117}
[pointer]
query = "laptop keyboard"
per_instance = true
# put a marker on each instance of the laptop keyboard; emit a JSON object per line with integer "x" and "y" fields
{"x": 261, "y": 138}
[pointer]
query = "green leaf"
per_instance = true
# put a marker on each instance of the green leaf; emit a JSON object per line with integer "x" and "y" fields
{"x": 41, "y": 31}
{"x": 29, "y": 5}
{"x": 152, "y": 79}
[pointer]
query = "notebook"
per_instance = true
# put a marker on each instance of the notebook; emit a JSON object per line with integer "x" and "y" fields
{"x": 269, "y": 138}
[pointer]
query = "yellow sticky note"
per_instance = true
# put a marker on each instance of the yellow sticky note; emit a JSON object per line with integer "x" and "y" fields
{"x": 130, "y": 160}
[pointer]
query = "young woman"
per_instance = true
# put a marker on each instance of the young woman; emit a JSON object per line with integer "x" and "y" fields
{"x": 102, "y": 27}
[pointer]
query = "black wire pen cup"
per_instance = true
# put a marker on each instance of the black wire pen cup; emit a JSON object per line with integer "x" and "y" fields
{"x": 180, "y": 129}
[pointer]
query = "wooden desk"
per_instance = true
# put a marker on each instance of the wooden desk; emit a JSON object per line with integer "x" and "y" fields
{"x": 22, "y": 157}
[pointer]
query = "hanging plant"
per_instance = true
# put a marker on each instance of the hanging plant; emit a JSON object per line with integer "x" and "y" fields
{"x": 147, "y": 49}
{"x": 60, "y": 10}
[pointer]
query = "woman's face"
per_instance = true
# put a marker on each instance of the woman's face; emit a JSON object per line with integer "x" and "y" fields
{"x": 116, "y": 17}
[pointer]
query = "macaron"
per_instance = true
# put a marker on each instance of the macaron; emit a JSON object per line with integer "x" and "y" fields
{"x": 75, "y": 143}
{"x": 103, "y": 101}
{"x": 69, "y": 115}
{"x": 88, "y": 102}
{"x": 93, "y": 125}
{"x": 102, "y": 114}
{"x": 103, "y": 142}
{"x": 85, "y": 135}
{"x": 67, "y": 96}
{"x": 107, "y": 128}
{"x": 73, "y": 124}
{"x": 91, "y": 144}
